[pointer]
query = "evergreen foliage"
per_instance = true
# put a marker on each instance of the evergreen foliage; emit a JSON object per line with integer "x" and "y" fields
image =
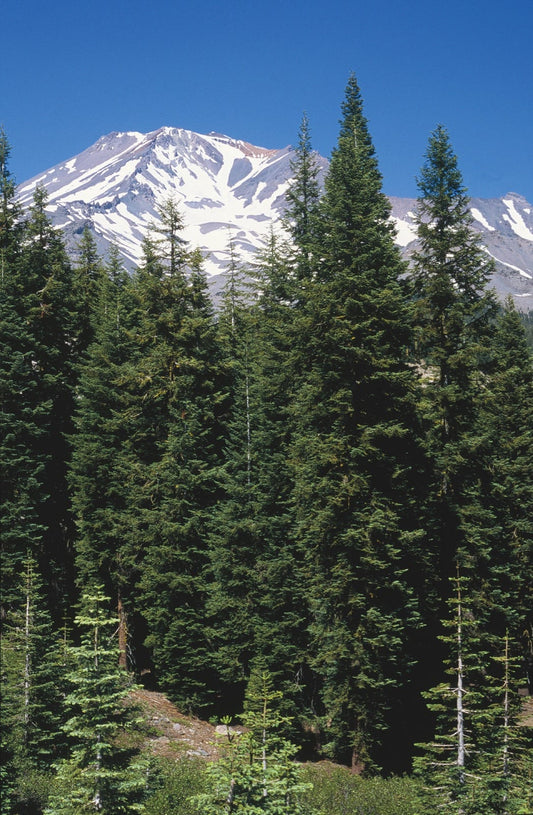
{"x": 280, "y": 595}
{"x": 169, "y": 242}
{"x": 303, "y": 195}
{"x": 454, "y": 313}
{"x": 275, "y": 493}
{"x": 255, "y": 588}
{"x": 478, "y": 762}
{"x": 354, "y": 451}
{"x": 471, "y": 450}
{"x": 507, "y": 415}
{"x": 32, "y": 688}
{"x": 177, "y": 444}
{"x": 103, "y": 772}
{"x": 23, "y": 410}
{"x": 88, "y": 279}
{"x": 526, "y": 318}
{"x": 103, "y": 458}
{"x": 51, "y": 308}
{"x": 39, "y": 333}
{"x": 235, "y": 535}
{"x": 255, "y": 772}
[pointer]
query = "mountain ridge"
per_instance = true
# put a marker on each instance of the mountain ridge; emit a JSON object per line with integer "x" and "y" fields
{"x": 226, "y": 188}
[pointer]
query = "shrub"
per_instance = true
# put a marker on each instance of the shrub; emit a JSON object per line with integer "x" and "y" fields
{"x": 173, "y": 784}
{"x": 337, "y": 792}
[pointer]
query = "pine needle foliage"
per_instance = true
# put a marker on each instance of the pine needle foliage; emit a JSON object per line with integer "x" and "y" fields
{"x": 454, "y": 310}
{"x": 354, "y": 450}
{"x": 179, "y": 403}
{"x": 32, "y": 690}
{"x": 303, "y": 196}
{"x": 103, "y": 773}
{"x": 255, "y": 772}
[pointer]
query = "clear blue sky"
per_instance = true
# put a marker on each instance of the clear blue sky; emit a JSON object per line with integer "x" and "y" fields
{"x": 72, "y": 71}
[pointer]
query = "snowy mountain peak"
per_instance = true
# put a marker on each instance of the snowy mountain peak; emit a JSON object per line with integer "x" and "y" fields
{"x": 223, "y": 185}
{"x": 245, "y": 147}
{"x": 229, "y": 187}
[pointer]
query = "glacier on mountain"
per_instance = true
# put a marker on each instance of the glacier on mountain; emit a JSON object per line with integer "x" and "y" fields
{"x": 229, "y": 189}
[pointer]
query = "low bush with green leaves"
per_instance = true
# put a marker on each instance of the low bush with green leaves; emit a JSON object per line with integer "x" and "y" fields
{"x": 173, "y": 784}
{"x": 336, "y": 791}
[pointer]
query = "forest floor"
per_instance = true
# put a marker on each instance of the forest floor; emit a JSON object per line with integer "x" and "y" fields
{"x": 172, "y": 734}
{"x": 526, "y": 718}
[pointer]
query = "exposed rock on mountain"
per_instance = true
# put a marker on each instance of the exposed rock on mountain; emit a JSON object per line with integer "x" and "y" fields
{"x": 228, "y": 188}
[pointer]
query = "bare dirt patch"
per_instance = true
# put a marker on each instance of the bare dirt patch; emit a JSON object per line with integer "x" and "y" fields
{"x": 526, "y": 716}
{"x": 171, "y": 733}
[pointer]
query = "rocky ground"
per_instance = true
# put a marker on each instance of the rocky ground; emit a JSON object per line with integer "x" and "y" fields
{"x": 173, "y": 734}
{"x": 526, "y": 719}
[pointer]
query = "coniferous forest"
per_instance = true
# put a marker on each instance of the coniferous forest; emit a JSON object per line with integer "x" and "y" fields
{"x": 307, "y": 507}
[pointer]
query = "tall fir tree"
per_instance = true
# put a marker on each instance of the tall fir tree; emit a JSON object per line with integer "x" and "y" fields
{"x": 506, "y": 406}
{"x": 280, "y": 591}
{"x": 184, "y": 489}
{"x": 103, "y": 461}
{"x": 32, "y": 690}
{"x": 102, "y": 773}
{"x": 40, "y": 353}
{"x": 255, "y": 588}
{"x": 477, "y": 403}
{"x": 454, "y": 311}
{"x": 176, "y": 441}
{"x": 355, "y": 453}
{"x": 303, "y": 196}
{"x": 234, "y": 536}
{"x": 23, "y": 408}
{"x": 53, "y": 313}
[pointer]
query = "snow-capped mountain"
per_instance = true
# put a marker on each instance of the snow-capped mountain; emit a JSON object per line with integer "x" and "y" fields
{"x": 506, "y": 228}
{"x": 224, "y": 188}
{"x": 231, "y": 189}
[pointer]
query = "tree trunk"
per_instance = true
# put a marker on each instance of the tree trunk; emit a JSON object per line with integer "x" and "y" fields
{"x": 358, "y": 766}
{"x": 27, "y": 656}
{"x": 460, "y": 688}
{"x": 122, "y": 634}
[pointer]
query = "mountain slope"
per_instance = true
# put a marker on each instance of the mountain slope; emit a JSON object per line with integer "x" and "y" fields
{"x": 506, "y": 228}
{"x": 227, "y": 187}
{"x": 224, "y": 187}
